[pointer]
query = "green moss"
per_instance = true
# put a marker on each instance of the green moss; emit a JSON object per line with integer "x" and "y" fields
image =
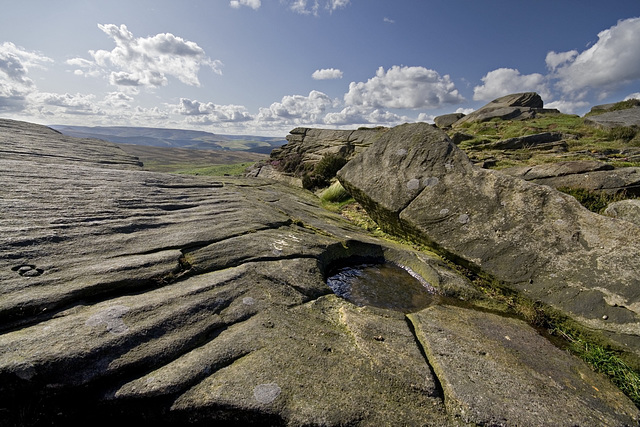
{"x": 323, "y": 172}
{"x": 623, "y": 105}
{"x": 595, "y": 201}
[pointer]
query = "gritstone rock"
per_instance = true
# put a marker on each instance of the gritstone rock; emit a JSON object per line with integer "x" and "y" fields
{"x": 541, "y": 242}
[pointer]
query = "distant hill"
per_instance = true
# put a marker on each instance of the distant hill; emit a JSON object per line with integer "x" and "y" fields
{"x": 174, "y": 138}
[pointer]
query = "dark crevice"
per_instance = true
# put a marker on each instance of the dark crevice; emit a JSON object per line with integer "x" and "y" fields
{"x": 439, "y": 391}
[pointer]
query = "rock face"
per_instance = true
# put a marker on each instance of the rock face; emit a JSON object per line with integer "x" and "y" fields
{"x": 629, "y": 210}
{"x": 446, "y": 120}
{"x": 162, "y": 299}
{"x": 541, "y": 242}
{"x": 516, "y": 106}
{"x": 626, "y": 118}
{"x": 313, "y": 144}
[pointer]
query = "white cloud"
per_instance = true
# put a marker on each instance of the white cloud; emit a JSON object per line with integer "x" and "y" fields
{"x": 505, "y": 81}
{"x": 337, "y": 4}
{"x": 214, "y": 113}
{"x": 147, "y": 61}
{"x": 66, "y": 103}
{"x": 355, "y": 116}
{"x": 327, "y": 74}
{"x": 613, "y": 60}
{"x": 554, "y": 60}
{"x": 15, "y": 84}
{"x": 295, "y": 109}
{"x": 312, "y": 7}
{"x": 567, "y": 106}
{"x": 389, "y": 20}
{"x": 633, "y": 96}
{"x": 404, "y": 87}
{"x": 253, "y": 4}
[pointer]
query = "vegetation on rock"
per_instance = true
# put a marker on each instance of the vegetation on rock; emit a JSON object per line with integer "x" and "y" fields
{"x": 323, "y": 172}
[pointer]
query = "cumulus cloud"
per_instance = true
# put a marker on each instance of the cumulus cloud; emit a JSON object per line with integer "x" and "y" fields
{"x": 632, "y": 96}
{"x": 297, "y": 109}
{"x": 15, "y": 84}
{"x": 147, "y": 61}
{"x": 404, "y": 87}
{"x": 68, "y": 103}
{"x": 389, "y": 20}
{"x": 214, "y": 113}
{"x": 568, "y": 106}
{"x": 504, "y": 81}
{"x": 327, "y": 74}
{"x": 312, "y": 7}
{"x": 351, "y": 115}
{"x": 554, "y": 60}
{"x": 613, "y": 60}
{"x": 253, "y": 4}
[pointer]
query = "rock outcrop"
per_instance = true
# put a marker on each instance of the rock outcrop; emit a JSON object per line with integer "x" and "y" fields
{"x": 628, "y": 209}
{"x": 313, "y": 144}
{"x": 625, "y": 118}
{"x": 518, "y": 106}
{"x": 534, "y": 239}
{"x": 156, "y": 299}
{"x": 589, "y": 175}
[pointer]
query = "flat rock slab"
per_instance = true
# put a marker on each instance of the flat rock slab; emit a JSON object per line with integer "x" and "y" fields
{"x": 483, "y": 360}
{"x": 628, "y": 117}
{"x": 556, "y": 169}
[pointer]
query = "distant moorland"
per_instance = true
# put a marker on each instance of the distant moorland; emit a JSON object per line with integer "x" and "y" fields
{"x": 174, "y": 138}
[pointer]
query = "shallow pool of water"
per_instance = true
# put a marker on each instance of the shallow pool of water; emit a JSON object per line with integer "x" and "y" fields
{"x": 382, "y": 285}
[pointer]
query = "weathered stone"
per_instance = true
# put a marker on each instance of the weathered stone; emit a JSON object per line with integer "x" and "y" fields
{"x": 509, "y": 107}
{"x": 614, "y": 181}
{"x": 470, "y": 352}
{"x": 49, "y": 146}
{"x": 446, "y": 120}
{"x": 628, "y": 209}
{"x": 611, "y": 119}
{"x": 550, "y": 170}
{"x": 541, "y": 242}
{"x": 136, "y": 296}
{"x": 147, "y": 298}
{"x": 528, "y": 141}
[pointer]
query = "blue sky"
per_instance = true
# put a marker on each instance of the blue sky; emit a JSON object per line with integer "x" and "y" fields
{"x": 263, "y": 67}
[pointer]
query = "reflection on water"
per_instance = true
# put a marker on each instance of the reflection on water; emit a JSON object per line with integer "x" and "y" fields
{"x": 381, "y": 285}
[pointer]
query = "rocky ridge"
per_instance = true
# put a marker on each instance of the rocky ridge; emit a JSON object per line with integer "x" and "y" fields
{"x": 159, "y": 299}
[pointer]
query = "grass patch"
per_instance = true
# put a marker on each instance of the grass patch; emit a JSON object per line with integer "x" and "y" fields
{"x": 622, "y": 105}
{"x": 595, "y": 201}
{"x": 235, "y": 169}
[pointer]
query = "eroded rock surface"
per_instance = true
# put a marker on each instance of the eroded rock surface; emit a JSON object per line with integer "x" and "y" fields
{"x": 539, "y": 241}
{"x": 517, "y": 106}
{"x": 611, "y": 119}
{"x": 162, "y": 299}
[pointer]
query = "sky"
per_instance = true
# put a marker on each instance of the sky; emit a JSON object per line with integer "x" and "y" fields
{"x": 264, "y": 67}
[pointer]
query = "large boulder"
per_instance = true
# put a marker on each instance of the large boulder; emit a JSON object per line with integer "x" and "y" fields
{"x": 415, "y": 182}
{"x": 517, "y": 106}
{"x": 154, "y": 299}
